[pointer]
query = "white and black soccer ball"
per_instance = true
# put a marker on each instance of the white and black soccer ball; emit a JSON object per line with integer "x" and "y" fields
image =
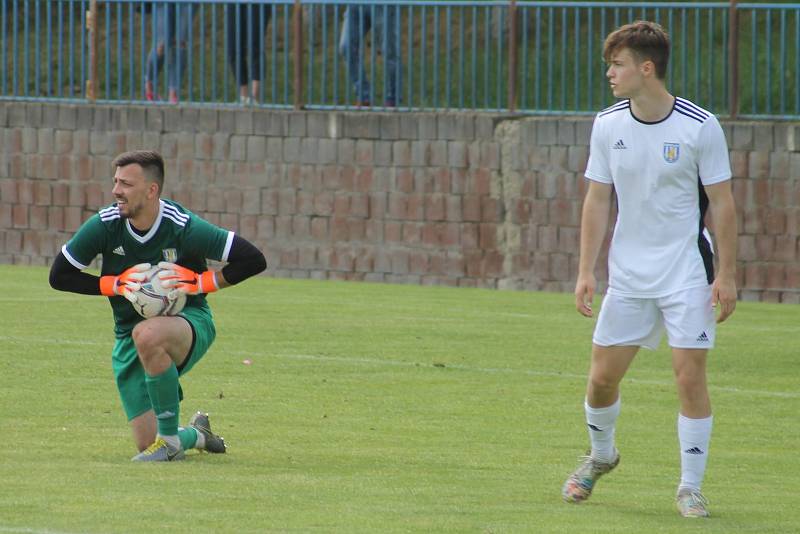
{"x": 154, "y": 300}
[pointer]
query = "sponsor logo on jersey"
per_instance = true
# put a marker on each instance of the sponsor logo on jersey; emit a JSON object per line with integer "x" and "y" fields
{"x": 619, "y": 145}
{"x": 119, "y": 251}
{"x": 170, "y": 254}
{"x": 672, "y": 151}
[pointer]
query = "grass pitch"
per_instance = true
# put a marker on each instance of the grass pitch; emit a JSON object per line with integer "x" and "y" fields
{"x": 384, "y": 408}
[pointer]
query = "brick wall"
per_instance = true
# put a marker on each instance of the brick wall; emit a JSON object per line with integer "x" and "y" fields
{"x": 455, "y": 199}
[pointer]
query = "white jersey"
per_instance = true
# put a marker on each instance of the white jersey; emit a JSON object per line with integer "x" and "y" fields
{"x": 658, "y": 170}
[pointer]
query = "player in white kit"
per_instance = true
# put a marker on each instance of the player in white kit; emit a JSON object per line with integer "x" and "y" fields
{"x": 667, "y": 161}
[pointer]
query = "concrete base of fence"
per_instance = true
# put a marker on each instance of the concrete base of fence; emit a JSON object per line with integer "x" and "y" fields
{"x": 471, "y": 200}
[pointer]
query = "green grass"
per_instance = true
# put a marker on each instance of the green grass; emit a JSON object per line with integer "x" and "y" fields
{"x": 383, "y": 408}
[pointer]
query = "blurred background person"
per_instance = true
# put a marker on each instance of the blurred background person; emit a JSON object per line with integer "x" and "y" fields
{"x": 246, "y": 24}
{"x": 359, "y": 19}
{"x": 171, "y": 26}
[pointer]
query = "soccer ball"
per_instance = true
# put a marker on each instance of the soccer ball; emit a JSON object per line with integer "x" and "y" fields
{"x": 153, "y": 300}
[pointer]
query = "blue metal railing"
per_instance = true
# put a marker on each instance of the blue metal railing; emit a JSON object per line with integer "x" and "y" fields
{"x": 566, "y": 71}
{"x": 524, "y": 56}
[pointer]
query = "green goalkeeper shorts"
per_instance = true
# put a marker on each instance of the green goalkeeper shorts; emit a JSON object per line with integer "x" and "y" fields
{"x": 128, "y": 370}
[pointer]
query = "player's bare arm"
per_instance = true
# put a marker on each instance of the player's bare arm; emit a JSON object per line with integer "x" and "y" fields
{"x": 594, "y": 223}
{"x": 723, "y": 215}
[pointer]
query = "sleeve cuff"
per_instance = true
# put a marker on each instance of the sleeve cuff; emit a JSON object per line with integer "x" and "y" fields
{"x": 208, "y": 282}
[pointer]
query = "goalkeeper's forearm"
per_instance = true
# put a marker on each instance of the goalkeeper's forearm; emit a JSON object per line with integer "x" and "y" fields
{"x": 244, "y": 261}
{"x": 66, "y": 277}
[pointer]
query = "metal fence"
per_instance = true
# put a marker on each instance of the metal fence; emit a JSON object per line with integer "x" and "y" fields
{"x": 524, "y": 56}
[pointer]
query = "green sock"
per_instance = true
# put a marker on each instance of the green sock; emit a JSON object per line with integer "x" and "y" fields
{"x": 163, "y": 391}
{"x": 188, "y": 437}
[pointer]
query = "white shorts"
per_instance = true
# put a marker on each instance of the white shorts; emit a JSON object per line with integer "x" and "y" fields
{"x": 687, "y": 316}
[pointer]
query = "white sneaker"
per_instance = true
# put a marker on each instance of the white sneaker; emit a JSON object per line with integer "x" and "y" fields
{"x": 580, "y": 484}
{"x": 691, "y": 503}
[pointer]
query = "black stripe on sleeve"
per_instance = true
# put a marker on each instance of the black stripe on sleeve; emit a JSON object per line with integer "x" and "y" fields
{"x": 702, "y": 243}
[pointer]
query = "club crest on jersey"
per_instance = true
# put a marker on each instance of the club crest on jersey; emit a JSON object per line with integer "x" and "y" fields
{"x": 672, "y": 151}
{"x": 170, "y": 254}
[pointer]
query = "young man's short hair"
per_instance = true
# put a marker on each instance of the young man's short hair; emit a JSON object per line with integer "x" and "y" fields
{"x": 647, "y": 41}
{"x": 151, "y": 162}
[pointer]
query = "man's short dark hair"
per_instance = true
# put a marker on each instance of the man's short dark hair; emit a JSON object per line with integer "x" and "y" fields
{"x": 150, "y": 161}
{"x": 646, "y": 40}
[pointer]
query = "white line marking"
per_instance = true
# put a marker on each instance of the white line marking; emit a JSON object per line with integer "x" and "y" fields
{"x": 28, "y": 530}
{"x": 37, "y": 299}
{"x": 50, "y": 341}
{"x": 508, "y": 370}
{"x": 398, "y": 363}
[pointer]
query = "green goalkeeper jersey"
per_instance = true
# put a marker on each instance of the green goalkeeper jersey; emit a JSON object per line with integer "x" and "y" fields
{"x": 178, "y": 236}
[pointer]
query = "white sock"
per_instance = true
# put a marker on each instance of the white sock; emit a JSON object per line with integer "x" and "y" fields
{"x": 172, "y": 441}
{"x": 602, "y": 424}
{"x": 694, "y": 436}
{"x": 201, "y": 440}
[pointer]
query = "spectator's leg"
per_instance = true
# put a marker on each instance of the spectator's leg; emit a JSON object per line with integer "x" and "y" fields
{"x": 183, "y": 17}
{"x": 236, "y": 50}
{"x": 258, "y": 27}
{"x": 358, "y": 25}
{"x": 171, "y": 51}
{"x": 393, "y": 65}
{"x": 155, "y": 58}
{"x": 345, "y": 35}
{"x": 346, "y": 49}
{"x": 250, "y": 38}
{"x": 246, "y": 19}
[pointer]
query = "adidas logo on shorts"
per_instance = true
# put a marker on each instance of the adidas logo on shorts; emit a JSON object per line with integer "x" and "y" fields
{"x": 703, "y": 338}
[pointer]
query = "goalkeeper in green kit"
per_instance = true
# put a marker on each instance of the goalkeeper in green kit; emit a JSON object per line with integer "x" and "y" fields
{"x": 139, "y": 230}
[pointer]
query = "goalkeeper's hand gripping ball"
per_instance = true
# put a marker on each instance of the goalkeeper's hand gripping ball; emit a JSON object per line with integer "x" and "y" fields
{"x": 183, "y": 280}
{"x": 124, "y": 284}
